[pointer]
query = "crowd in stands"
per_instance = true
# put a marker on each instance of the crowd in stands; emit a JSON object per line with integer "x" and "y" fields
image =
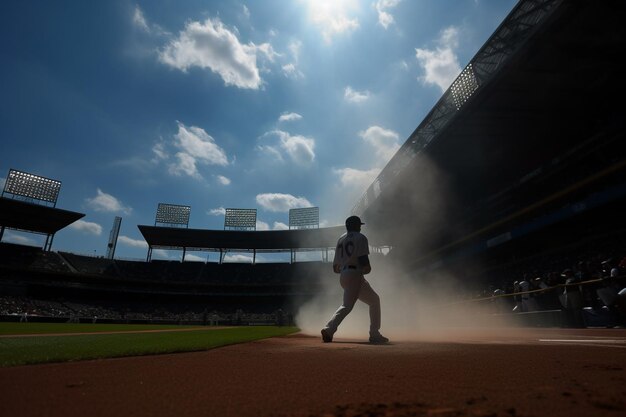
{"x": 577, "y": 284}
{"x": 22, "y": 308}
{"x": 595, "y": 285}
{"x": 21, "y": 256}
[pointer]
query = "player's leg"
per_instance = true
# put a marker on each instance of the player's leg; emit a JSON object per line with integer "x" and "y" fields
{"x": 351, "y": 283}
{"x": 369, "y": 297}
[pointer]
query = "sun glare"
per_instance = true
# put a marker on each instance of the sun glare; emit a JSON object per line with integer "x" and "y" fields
{"x": 333, "y": 16}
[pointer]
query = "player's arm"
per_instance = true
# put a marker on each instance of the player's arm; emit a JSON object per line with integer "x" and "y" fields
{"x": 364, "y": 263}
{"x": 338, "y": 257}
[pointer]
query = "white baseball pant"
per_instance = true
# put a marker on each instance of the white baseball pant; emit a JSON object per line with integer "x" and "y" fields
{"x": 355, "y": 287}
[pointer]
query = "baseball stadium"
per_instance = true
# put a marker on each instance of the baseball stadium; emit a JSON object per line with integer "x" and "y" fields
{"x": 497, "y": 241}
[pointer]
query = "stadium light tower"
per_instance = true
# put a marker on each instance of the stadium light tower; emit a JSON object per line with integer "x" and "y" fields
{"x": 240, "y": 219}
{"x": 32, "y": 188}
{"x": 171, "y": 215}
{"x": 304, "y": 218}
{"x": 115, "y": 232}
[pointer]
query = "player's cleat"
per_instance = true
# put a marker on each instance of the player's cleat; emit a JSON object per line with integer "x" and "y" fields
{"x": 327, "y": 336}
{"x": 378, "y": 339}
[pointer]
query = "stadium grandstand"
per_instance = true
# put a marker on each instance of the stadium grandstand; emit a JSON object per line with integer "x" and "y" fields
{"x": 518, "y": 171}
{"x": 514, "y": 183}
{"x": 522, "y": 156}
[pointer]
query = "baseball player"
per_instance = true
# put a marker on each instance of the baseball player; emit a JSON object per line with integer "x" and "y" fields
{"x": 352, "y": 262}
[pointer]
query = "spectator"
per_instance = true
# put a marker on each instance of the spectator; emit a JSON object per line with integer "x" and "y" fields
{"x": 500, "y": 306}
{"x": 517, "y": 297}
{"x": 573, "y": 300}
{"x": 528, "y": 301}
{"x": 280, "y": 317}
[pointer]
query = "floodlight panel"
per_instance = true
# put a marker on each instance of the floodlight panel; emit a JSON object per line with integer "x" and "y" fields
{"x": 242, "y": 219}
{"x": 173, "y": 214}
{"x": 304, "y": 217}
{"x": 464, "y": 86}
{"x": 32, "y": 186}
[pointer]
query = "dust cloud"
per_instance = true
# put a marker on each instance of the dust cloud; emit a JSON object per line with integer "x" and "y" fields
{"x": 411, "y": 311}
{"x": 432, "y": 307}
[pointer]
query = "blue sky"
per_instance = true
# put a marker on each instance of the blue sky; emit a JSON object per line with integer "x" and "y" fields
{"x": 269, "y": 104}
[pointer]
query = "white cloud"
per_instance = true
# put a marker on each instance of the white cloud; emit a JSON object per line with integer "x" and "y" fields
{"x": 281, "y": 203}
{"x": 333, "y": 16}
{"x": 107, "y": 203}
{"x": 135, "y": 243}
{"x": 300, "y": 149}
{"x": 271, "y": 150}
{"x": 441, "y": 65}
{"x": 354, "y": 96}
{"x": 449, "y": 37}
{"x": 287, "y": 117}
{"x": 384, "y": 141}
{"x": 195, "y": 147}
{"x": 212, "y": 45}
{"x": 247, "y": 259}
{"x": 159, "y": 152}
{"x": 185, "y": 164}
{"x": 220, "y": 211}
{"x": 13, "y": 237}
{"x": 246, "y": 12}
{"x": 223, "y": 180}
{"x": 261, "y": 225}
{"x": 357, "y": 180}
{"x": 294, "y": 47}
{"x": 280, "y": 226}
{"x": 385, "y": 19}
{"x": 87, "y": 227}
{"x": 189, "y": 257}
{"x": 139, "y": 20}
{"x": 291, "y": 71}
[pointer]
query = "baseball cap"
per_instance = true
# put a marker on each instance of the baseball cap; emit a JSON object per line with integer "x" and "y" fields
{"x": 353, "y": 221}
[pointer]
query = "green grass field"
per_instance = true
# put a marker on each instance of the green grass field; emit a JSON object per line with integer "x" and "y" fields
{"x": 23, "y": 350}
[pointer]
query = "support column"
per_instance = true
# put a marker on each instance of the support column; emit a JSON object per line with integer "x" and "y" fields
{"x": 47, "y": 246}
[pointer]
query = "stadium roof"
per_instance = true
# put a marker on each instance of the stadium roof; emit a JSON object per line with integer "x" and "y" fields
{"x": 21, "y": 215}
{"x": 269, "y": 240}
{"x": 547, "y": 80}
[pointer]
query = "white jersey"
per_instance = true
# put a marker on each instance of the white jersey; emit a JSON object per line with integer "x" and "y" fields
{"x": 350, "y": 247}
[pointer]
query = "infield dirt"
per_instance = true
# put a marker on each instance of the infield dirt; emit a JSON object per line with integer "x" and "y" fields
{"x": 549, "y": 373}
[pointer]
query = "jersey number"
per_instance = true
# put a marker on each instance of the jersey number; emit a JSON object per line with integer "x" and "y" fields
{"x": 348, "y": 247}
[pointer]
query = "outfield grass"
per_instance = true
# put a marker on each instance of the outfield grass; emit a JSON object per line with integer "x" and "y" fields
{"x": 48, "y": 328}
{"x": 33, "y": 349}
